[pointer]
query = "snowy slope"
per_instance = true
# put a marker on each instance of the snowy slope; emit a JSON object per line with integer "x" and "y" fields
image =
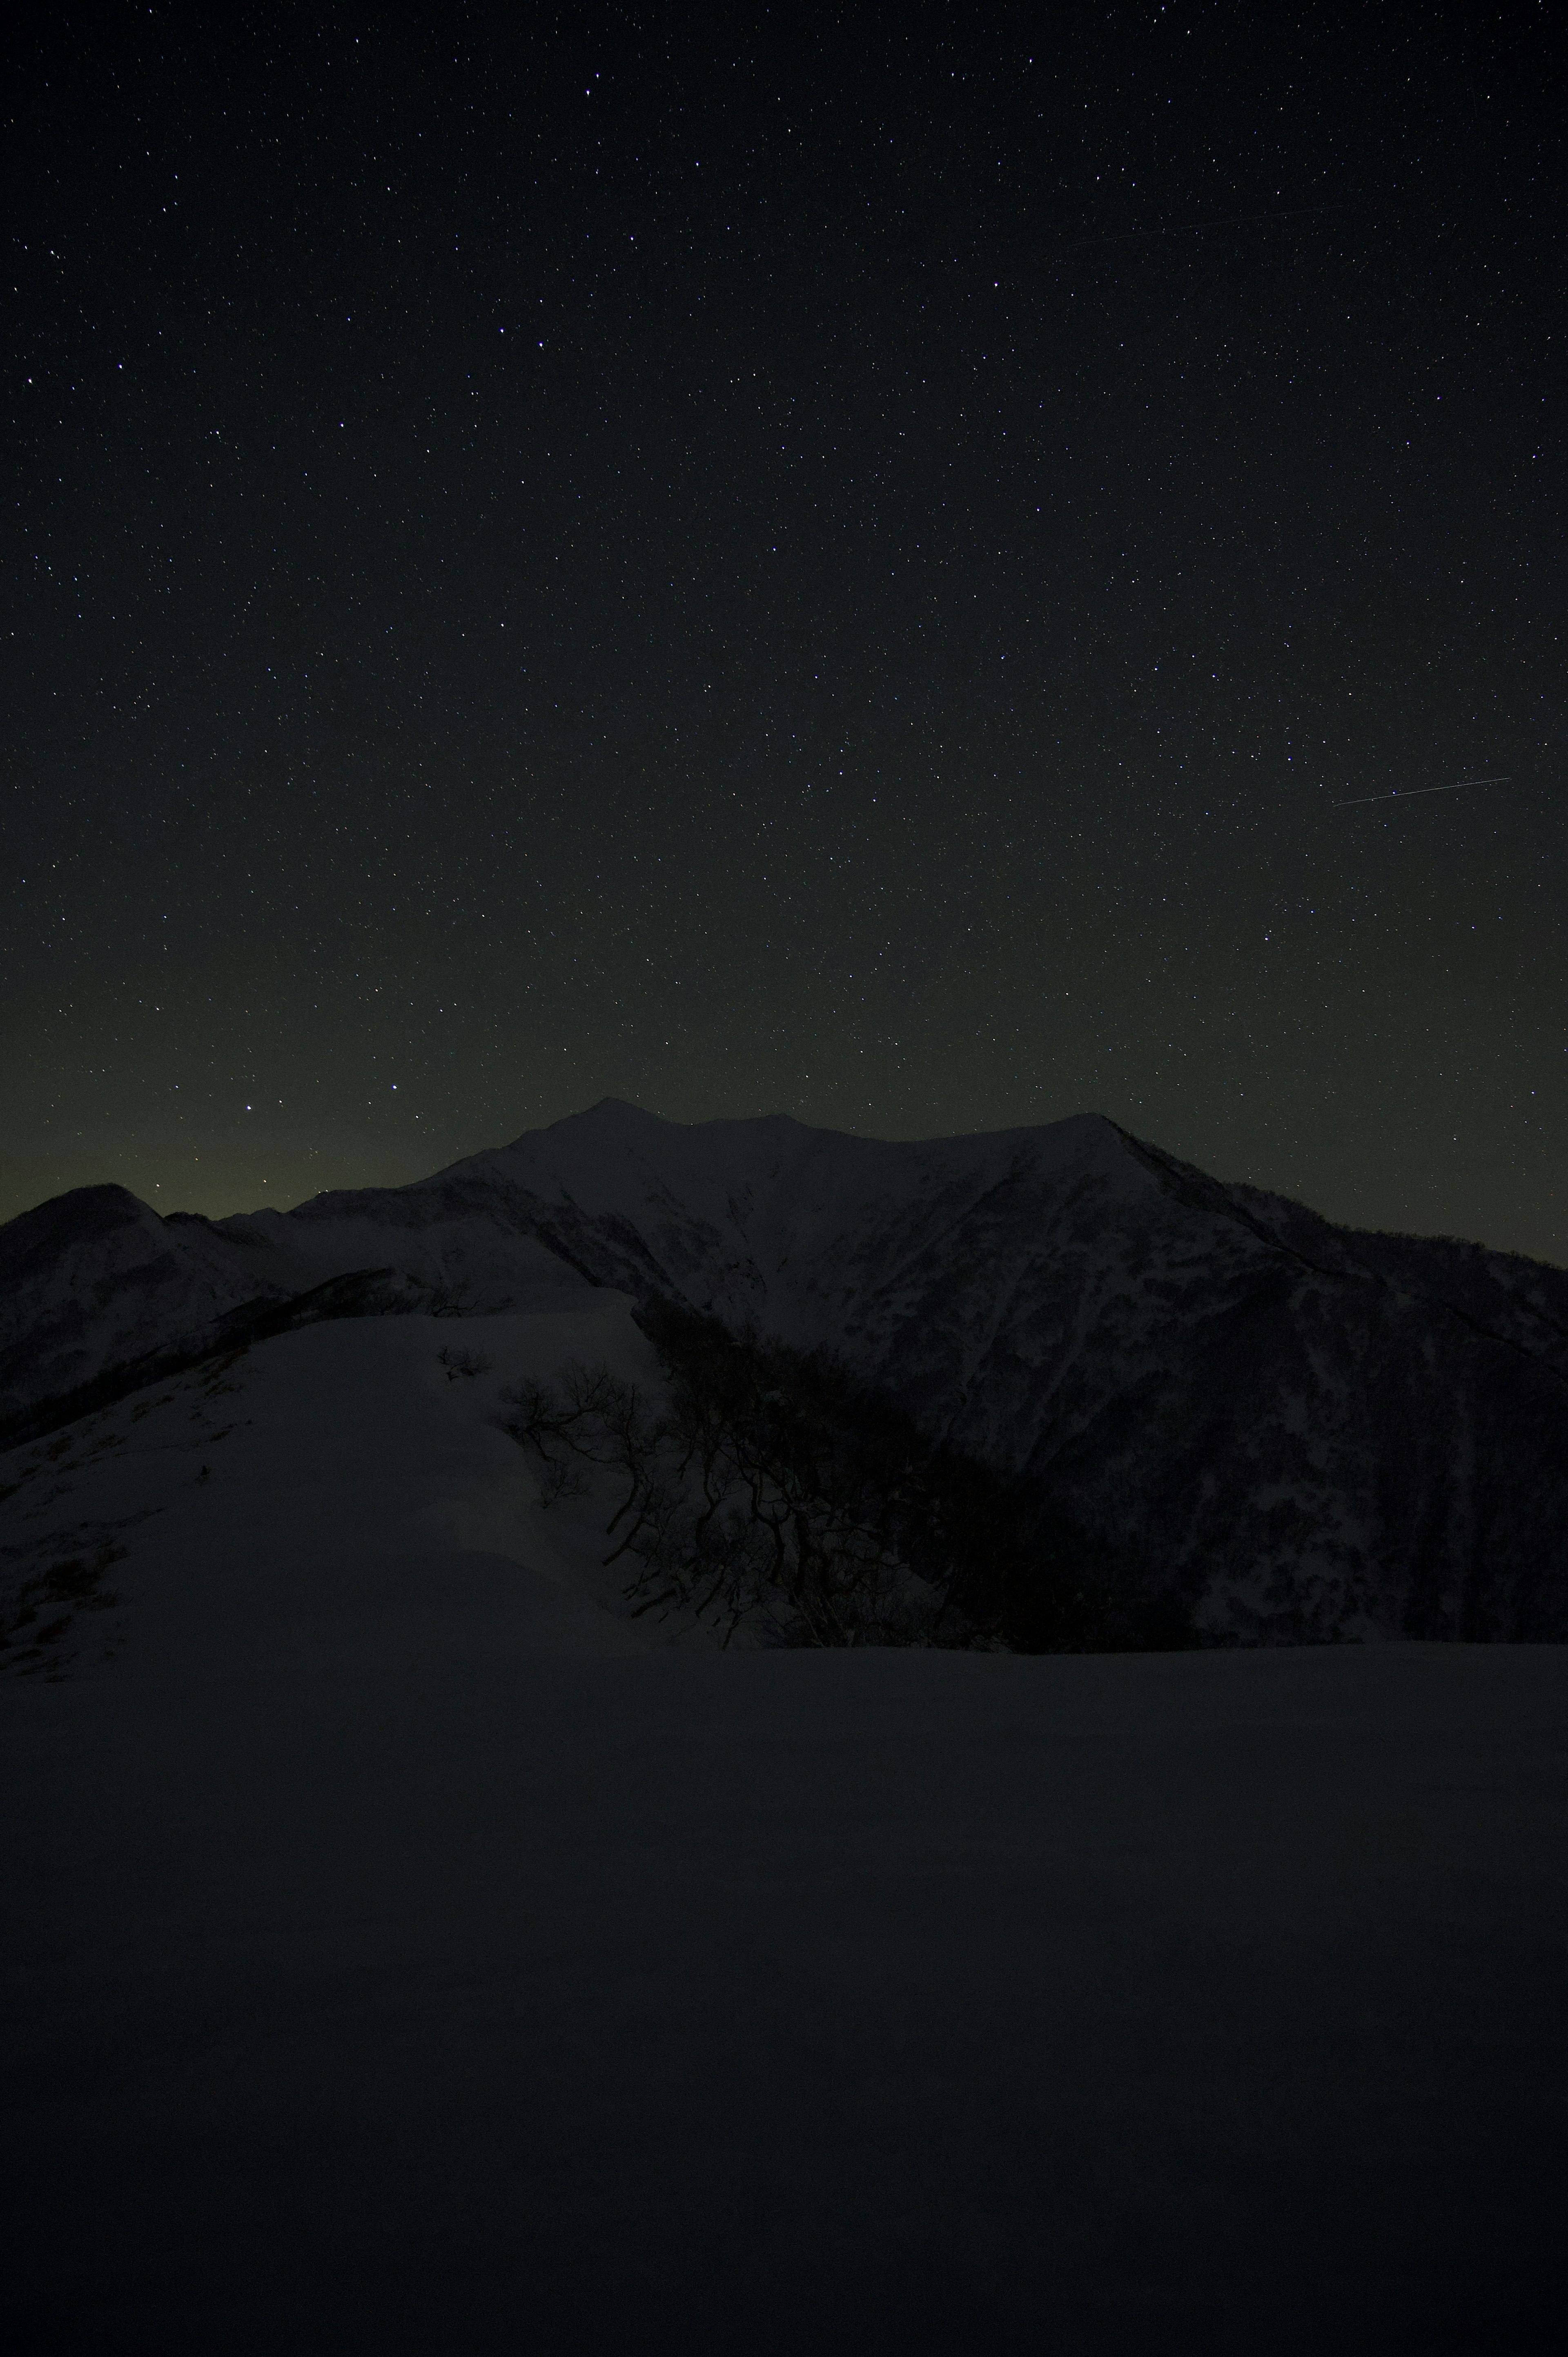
{"x": 1305, "y": 1431}
{"x": 323, "y": 1477}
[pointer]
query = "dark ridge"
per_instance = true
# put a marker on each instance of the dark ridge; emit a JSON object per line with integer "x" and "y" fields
{"x": 244, "y": 1238}
{"x": 362, "y": 1293}
{"x": 1357, "y": 1248}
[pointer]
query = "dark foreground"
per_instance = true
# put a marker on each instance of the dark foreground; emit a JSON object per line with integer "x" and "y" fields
{"x": 433, "y": 1992}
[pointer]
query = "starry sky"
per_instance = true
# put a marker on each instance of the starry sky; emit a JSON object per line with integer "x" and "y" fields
{"x": 865, "y": 565}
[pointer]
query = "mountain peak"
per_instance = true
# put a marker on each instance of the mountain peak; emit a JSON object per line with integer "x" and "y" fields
{"x": 82, "y": 1215}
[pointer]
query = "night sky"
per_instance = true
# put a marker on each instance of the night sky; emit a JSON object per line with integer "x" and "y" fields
{"x": 833, "y": 564}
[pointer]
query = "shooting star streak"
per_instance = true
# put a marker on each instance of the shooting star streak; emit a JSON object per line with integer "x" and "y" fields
{"x": 1356, "y": 801}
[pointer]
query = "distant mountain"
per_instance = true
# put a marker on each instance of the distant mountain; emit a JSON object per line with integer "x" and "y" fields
{"x": 1299, "y": 1432}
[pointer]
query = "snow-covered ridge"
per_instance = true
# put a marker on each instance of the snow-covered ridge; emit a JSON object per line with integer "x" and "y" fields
{"x": 1311, "y": 1432}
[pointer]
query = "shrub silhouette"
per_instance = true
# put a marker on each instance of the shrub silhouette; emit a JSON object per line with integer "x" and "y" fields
{"x": 770, "y": 1491}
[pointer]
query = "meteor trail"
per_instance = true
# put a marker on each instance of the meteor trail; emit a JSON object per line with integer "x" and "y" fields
{"x": 1357, "y": 800}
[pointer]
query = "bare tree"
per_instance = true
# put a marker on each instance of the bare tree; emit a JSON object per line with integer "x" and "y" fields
{"x": 736, "y": 1505}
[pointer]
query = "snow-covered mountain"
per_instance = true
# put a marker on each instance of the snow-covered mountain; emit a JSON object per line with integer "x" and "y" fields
{"x": 1304, "y": 1431}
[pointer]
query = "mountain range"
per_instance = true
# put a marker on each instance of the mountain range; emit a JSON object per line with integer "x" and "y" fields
{"x": 1295, "y": 1431}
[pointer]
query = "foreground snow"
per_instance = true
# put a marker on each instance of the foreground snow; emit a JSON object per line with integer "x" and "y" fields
{"x": 406, "y": 1953}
